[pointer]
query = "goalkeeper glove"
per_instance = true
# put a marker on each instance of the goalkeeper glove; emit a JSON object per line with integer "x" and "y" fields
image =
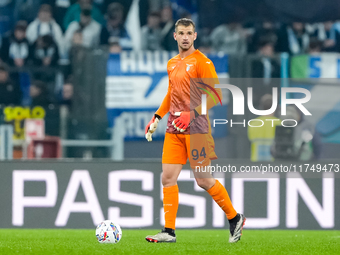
{"x": 151, "y": 127}
{"x": 184, "y": 120}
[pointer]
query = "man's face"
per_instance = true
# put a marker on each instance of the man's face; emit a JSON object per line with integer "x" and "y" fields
{"x": 116, "y": 17}
{"x": 267, "y": 50}
{"x": 297, "y": 26}
{"x": 185, "y": 37}
{"x": 45, "y": 16}
{"x": 328, "y": 25}
{"x": 19, "y": 34}
{"x": 34, "y": 91}
{"x": 268, "y": 25}
{"x": 3, "y": 76}
{"x": 166, "y": 14}
{"x": 153, "y": 21}
{"x": 85, "y": 20}
{"x": 67, "y": 91}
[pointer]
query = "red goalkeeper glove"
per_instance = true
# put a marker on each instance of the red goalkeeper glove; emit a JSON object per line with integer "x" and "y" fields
{"x": 184, "y": 120}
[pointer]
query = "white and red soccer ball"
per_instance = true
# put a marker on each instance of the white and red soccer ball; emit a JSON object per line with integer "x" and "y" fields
{"x": 108, "y": 232}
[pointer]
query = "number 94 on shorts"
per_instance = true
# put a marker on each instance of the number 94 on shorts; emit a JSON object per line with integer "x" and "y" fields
{"x": 198, "y": 148}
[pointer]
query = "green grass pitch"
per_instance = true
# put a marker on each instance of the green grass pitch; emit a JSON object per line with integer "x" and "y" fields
{"x": 64, "y": 241}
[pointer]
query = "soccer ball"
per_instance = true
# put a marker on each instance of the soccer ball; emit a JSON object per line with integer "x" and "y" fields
{"x": 108, "y": 232}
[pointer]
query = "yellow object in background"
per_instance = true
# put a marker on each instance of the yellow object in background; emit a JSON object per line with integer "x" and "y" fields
{"x": 262, "y": 137}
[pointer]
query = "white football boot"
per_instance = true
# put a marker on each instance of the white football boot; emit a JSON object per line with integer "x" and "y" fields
{"x": 161, "y": 237}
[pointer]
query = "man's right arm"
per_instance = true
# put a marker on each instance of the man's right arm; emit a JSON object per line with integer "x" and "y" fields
{"x": 159, "y": 114}
{"x": 165, "y": 105}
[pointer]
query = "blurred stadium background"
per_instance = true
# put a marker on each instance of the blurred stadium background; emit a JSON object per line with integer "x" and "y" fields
{"x": 79, "y": 80}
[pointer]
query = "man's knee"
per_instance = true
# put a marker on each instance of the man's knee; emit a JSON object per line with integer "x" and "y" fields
{"x": 168, "y": 180}
{"x": 205, "y": 183}
{"x": 170, "y": 174}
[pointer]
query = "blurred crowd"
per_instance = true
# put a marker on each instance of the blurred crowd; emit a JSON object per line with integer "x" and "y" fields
{"x": 42, "y": 33}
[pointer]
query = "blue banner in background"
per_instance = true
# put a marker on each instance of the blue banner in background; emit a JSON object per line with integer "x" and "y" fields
{"x": 136, "y": 84}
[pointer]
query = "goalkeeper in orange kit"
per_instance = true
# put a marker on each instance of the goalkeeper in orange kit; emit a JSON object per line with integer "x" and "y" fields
{"x": 188, "y": 132}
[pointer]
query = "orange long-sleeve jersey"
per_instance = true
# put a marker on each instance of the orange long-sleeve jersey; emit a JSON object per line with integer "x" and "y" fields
{"x": 189, "y": 78}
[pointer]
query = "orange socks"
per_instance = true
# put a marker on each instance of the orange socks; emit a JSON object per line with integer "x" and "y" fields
{"x": 221, "y": 197}
{"x": 170, "y": 203}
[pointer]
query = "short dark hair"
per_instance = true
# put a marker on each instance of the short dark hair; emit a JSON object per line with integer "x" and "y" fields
{"x": 315, "y": 43}
{"x": 21, "y": 25}
{"x": 184, "y": 22}
{"x": 47, "y": 40}
{"x": 266, "y": 102}
{"x": 45, "y": 8}
{"x": 86, "y": 11}
{"x": 40, "y": 85}
{"x": 113, "y": 8}
{"x": 264, "y": 41}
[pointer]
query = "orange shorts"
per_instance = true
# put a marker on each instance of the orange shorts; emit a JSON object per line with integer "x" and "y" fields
{"x": 199, "y": 148}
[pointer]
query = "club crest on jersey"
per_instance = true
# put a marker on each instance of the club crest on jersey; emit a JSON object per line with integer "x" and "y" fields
{"x": 188, "y": 67}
